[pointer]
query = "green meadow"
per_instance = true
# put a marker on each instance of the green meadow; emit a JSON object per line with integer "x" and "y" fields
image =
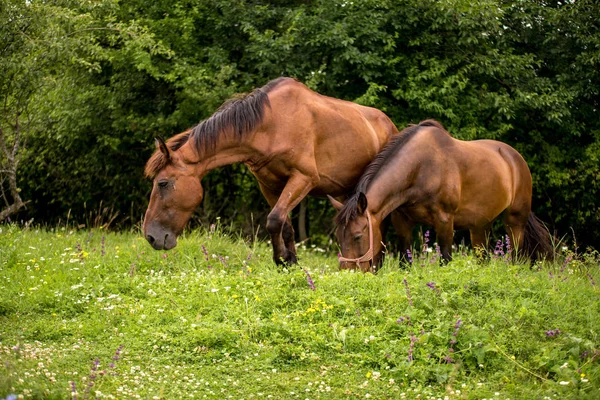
{"x": 92, "y": 314}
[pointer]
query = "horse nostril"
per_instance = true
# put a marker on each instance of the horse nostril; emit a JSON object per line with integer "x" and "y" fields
{"x": 150, "y": 239}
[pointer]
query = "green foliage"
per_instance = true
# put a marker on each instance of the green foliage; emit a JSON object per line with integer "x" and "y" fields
{"x": 123, "y": 72}
{"x": 103, "y": 314}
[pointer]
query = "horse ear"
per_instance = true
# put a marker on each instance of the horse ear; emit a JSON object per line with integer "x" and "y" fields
{"x": 336, "y": 204}
{"x": 162, "y": 146}
{"x": 362, "y": 204}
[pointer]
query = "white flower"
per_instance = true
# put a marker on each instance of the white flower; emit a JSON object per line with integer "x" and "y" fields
{"x": 564, "y": 383}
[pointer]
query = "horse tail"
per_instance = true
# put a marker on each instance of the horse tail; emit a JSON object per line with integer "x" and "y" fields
{"x": 537, "y": 241}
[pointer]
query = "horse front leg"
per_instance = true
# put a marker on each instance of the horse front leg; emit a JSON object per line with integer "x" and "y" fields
{"x": 403, "y": 227}
{"x": 278, "y": 223}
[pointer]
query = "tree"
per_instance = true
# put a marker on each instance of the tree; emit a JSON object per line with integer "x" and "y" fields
{"x": 47, "y": 53}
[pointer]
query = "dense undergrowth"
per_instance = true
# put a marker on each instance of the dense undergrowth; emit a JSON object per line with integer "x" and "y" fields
{"x": 92, "y": 314}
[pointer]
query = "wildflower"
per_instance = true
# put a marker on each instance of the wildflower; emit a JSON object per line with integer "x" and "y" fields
{"x": 413, "y": 340}
{"x": 409, "y": 256}
{"x": 408, "y": 296}
{"x": 73, "y": 391}
{"x": 432, "y": 286}
{"x": 311, "y": 284}
{"x": 498, "y": 251}
{"x": 438, "y": 251}
{"x": 205, "y": 252}
{"x": 553, "y": 332}
{"x": 591, "y": 279}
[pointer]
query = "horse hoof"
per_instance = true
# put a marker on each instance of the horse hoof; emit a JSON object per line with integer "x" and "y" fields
{"x": 286, "y": 260}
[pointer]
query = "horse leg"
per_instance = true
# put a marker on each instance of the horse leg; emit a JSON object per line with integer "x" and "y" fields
{"x": 479, "y": 239}
{"x": 278, "y": 223}
{"x": 403, "y": 227}
{"x": 514, "y": 224}
{"x": 444, "y": 228}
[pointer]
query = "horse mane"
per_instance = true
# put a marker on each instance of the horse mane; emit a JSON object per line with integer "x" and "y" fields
{"x": 350, "y": 208}
{"x": 238, "y": 116}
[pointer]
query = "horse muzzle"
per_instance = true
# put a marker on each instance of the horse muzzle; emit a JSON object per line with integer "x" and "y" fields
{"x": 159, "y": 238}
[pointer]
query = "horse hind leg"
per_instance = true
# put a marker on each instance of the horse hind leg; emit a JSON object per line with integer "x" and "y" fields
{"x": 480, "y": 239}
{"x": 444, "y": 228}
{"x": 514, "y": 224}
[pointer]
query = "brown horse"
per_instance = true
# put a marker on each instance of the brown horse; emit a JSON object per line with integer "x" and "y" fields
{"x": 294, "y": 141}
{"x": 425, "y": 176}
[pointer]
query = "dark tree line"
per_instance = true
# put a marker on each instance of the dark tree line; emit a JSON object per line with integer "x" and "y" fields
{"x": 96, "y": 82}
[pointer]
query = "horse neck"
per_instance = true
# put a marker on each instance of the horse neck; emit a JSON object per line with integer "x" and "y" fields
{"x": 226, "y": 152}
{"x": 386, "y": 191}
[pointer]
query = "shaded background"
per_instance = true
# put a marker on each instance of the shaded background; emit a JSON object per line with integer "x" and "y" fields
{"x": 98, "y": 81}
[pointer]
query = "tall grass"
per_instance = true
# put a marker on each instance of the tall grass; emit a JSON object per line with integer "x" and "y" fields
{"x": 91, "y": 314}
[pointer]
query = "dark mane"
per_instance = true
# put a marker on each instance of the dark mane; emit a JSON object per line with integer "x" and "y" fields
{"x": 349, "y": 211}
{"x": 238, "y": 116}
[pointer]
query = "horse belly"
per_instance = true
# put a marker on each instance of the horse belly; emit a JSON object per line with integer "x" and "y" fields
{"x": 483, "y": 200}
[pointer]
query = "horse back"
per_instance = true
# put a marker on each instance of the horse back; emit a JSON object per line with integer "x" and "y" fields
{"x": 319, "y": 135}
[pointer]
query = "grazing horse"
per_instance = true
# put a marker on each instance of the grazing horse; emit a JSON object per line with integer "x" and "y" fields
{"x": 294, "y": 141}
{"x": 424, "y": 175}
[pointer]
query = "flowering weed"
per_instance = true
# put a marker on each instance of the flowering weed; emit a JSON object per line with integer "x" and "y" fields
{"x": 94, "y": 314}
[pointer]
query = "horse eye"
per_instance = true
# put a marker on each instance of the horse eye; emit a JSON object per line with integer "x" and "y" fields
{"x": 163, "y": 184}
{"x": 357, "y": 238}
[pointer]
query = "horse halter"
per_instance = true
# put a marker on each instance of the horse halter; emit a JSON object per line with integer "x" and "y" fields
{"x": 368, "y": 256}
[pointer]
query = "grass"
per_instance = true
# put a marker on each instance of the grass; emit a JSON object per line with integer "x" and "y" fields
{"x": 91, "y": 314}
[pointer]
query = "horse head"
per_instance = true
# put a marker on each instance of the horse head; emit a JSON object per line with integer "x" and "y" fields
{"x": 358, "y": 234}
{"x": 176, "y": 192}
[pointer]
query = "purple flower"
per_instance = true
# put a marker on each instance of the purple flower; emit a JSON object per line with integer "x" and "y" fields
{"x": 591, "y": 279}
{"x": 432, "y": 286}
{"x": 409, "y": 256}
{"x": 205, "y": 252}
{"x": 566, "y": 262}
{"x": 498, "y": 251}
{"x": 438, "y": 251}
{"x": 408, "y": 296}
{"x": 553, "y": 332}
{"x": 311, "y": 284}
{"x": 413, "y": 340}
{"x": 73, "y": 391}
